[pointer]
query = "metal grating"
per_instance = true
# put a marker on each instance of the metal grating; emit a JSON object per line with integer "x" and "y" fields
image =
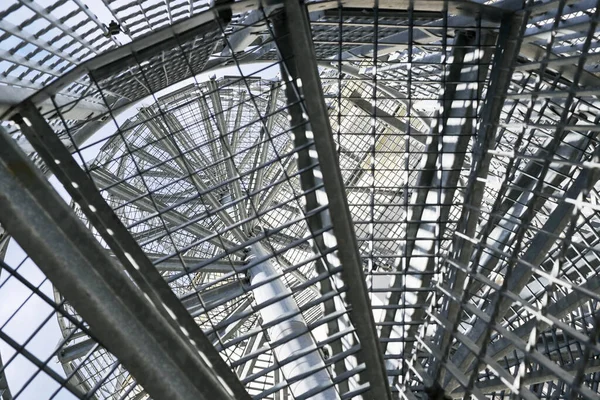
{"x": 405, "y": 208}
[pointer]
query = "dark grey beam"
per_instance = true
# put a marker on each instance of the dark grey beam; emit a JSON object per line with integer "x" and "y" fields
{"x": 303, "y": 67}
{"x": 88, "y": 269}
{"x": 500, "y": 76}
{"x": 128, "y": 192}
{"x": 175, "y": 264}
{"x": 133, "y": 326}
{"x": 447, "y": 147}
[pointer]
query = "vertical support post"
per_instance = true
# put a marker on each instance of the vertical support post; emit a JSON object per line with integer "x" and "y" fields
{"x": 267, "y": 286}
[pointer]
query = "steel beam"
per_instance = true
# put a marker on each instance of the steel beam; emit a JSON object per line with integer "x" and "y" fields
{"x": 173, "y": 149}
{"x": 128, "y": 193}
{"x": 531, "y": 378}
{"x": 132, "y": 326}
{"x": 76, "y": 350}
{"x": 10, "y": 96}
{"x": 558, "y": 309}
{"x": 226, "y": 333}
{"x": 235, "y": 133}
{"x": 295, "y": 43}
{"x": 500, "y": 75}
{"x": 535, "y": 254}
{"x": 199, "y": 23}
{"x": 252, "y": 345}
{"x": 488, "y": 13}
{"x": 197, "y": 157}
{"x": 287, "y": 168}
{"x": 437, "y": 182}
{"x": 390, "y": 121}
{"x": 247, "y": 31}
{"x": 83, "y": 191}
{"x": 571, "y": 147}
{"x": 205, "y": 111}
{"x": 417, "y": 34}
{"x": 535, "y": 52}
{"x": 176, "y": 263}
{"x": 90, "y": 128}
{"x": 144, "y": 155}
{"x": 266, "y": 132}
{"x": 520, "y": 266}
{"x": 199, "y": 302}
{"x": 227, "y": 153}
{"x": 393, "y": 93}
{"x": 266, "y": 286}
{"x": 310, "y": 179}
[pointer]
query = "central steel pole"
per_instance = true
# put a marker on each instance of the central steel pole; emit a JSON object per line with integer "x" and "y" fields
{"x": 294, "y": 327}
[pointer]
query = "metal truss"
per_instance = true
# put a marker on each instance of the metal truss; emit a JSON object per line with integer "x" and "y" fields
{"x": 387, "y": 200}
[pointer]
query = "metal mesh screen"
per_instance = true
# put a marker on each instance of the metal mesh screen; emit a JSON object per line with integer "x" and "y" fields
{"x": 402, "y": 207}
